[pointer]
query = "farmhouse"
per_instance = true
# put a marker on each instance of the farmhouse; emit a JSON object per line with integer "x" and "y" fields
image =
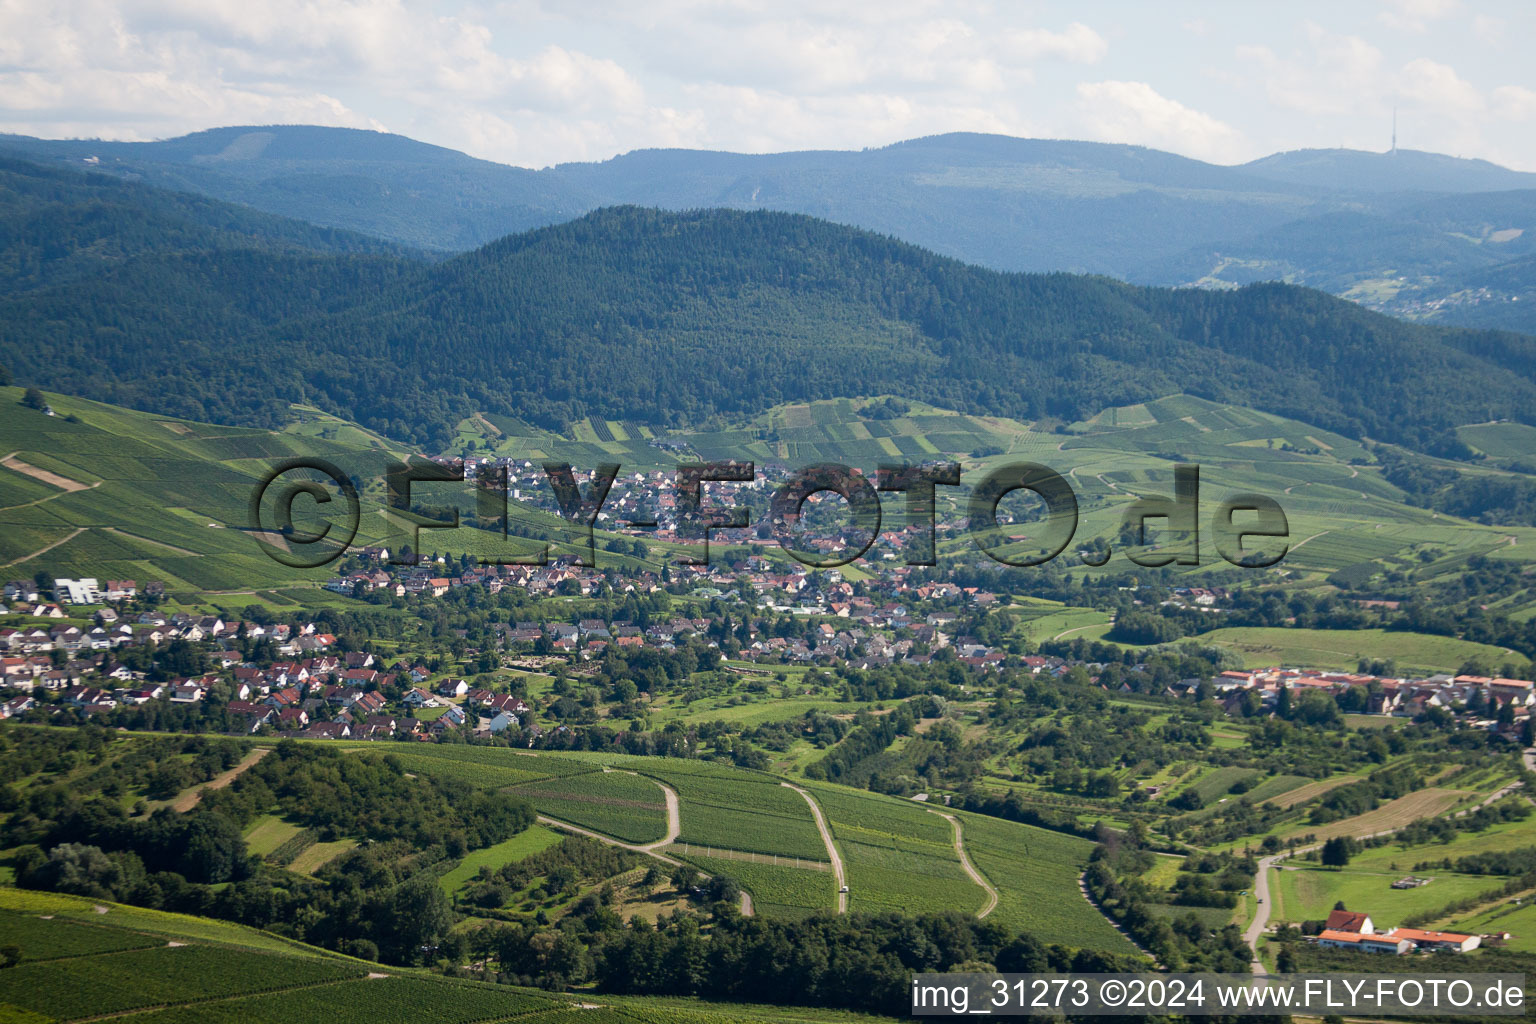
{"x": 1348, "y": 929}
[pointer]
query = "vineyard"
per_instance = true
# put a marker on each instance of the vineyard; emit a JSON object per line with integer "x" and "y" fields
{"x": 745, "y": 814}
{"x": 40, "y": 939}
{"x": 86, "y": 960}
{"x": 777, "y": 891}
{"x": 1035, "y": 872}
{"x": 899, "y": 857}
{"x": 94, "y": 985}
{"x": 391, "y": 1000}
{"x": 618, "y": 804}
{"x": 486, "y": 767}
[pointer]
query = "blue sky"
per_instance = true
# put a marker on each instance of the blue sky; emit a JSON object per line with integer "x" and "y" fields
{"x": 535, "y": 83}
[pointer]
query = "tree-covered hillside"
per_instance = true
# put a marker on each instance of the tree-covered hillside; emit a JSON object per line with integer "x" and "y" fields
{"x": 672, "y": 318}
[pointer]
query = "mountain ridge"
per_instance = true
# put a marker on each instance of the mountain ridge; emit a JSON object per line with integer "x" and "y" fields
{"x": 1435, "y": 246}
{"x": 674, "y": 318}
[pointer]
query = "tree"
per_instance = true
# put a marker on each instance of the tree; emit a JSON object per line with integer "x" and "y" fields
{"x": 5, "y": 376}
{"x": 1337, "y": 851}
{"x": 33, "y": 399}
{"x": 419, "y": 916}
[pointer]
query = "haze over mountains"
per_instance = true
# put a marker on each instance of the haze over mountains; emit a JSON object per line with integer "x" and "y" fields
{"x": 1416, "y": 234}
{"x": 183, "y": 305}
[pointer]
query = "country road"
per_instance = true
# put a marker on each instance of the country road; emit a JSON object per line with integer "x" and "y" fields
{"x": 970, "y": 869}
{"x": 826, "y": 838}
{"x": 1261, "y": 912}
{"x": 1261, "y": 891}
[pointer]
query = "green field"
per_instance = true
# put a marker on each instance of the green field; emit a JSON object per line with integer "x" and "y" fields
{"x": 1509, "y": 835}
{"x": 525, "y": 844}
{"x": 1306, "y": 893}
{"x": 1262, "y": 647}
{"x": 1516, "y": 916}
{"x": 268, "y": 833}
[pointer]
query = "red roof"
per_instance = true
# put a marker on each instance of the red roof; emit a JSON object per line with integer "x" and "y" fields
{"x": 1346, "y": 921}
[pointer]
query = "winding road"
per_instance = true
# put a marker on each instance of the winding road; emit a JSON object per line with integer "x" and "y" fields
{"x": 832, "y": 854}
{"x": 970, "y": 869}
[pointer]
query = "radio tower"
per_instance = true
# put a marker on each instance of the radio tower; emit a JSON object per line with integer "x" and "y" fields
{"x": 1394, "y": 133}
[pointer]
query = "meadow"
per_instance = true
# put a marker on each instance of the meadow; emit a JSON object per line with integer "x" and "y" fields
{"x": 525, "y": 844}
{"x": 1305, "y": 892}
{"x": 1263, "y": 647}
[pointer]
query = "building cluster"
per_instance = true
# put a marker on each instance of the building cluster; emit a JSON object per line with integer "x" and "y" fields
{"x": 1348, "y": 929}
{"x": 1493, "y": 702}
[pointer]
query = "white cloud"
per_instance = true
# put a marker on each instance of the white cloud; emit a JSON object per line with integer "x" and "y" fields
{"x": 1077, "y": 43}
{"x": 1415, "y": 15}
{"x": 1437, "y": 87}
{"x": 1135, "y": 112}
{"x": 1514, "y": 102}
{"x": 1334, "y": 75}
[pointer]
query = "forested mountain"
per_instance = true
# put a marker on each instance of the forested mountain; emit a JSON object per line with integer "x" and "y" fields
{"x": 1416, "y": 234}
{"x": 674, "y": 318}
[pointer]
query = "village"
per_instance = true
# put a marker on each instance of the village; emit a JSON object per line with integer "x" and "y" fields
{"x": 788, "y": 616}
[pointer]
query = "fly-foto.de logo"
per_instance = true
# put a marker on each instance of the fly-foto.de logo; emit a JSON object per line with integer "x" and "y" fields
{"x": 1246, "y": 530}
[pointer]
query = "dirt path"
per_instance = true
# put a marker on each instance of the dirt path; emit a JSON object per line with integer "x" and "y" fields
{"x": 674, "y": 819}
{"x": 674, "y": 826}
{"x": 44, "y": 550}
{"x": 1082, "y": 887}
{"x": 965, "y": 862}
{"x": 832, "y": 854}
{"x": 63, "y": 483}
{"x": 146, "y": 540}
{"x": 188, "y": 800}
{"x": 1313, "y": 537}
{"x": 647, "y": 849}
{"x": 1078, "y": 629}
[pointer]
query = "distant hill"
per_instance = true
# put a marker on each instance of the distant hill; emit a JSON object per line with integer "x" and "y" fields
{"x": 1394, "y": 228}
{"x": 672, "y": 319}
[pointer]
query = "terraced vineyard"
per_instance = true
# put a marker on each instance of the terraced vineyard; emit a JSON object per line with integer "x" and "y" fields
{"x": 629, "y": 807}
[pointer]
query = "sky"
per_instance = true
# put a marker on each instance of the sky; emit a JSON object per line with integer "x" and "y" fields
{"x": 536, "y": 83}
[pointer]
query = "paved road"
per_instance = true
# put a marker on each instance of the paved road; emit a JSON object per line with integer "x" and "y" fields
{"x": 1262, "y": 909}
{"x": 965, "y": 862}
{"x": 832, "y": 854}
